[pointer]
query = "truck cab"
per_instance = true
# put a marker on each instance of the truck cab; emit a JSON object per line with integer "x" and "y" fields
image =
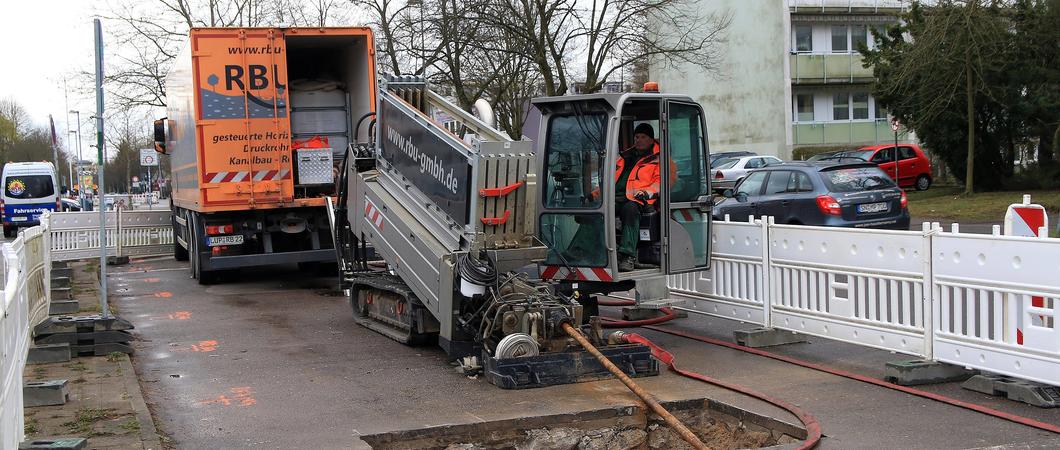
{"x": 581, "y": 141}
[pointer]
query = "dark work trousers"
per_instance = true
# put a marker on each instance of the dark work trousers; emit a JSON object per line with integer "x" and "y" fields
{"x": 629, "y": 213}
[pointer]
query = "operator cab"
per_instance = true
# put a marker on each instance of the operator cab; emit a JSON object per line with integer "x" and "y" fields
{"x": 581, "y": 141}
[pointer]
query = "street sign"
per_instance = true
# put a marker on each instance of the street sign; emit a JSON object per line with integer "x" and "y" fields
{"x": 148, "y": 157}
{"x": 135, "y": 179}
{"x": 894, "y": 124}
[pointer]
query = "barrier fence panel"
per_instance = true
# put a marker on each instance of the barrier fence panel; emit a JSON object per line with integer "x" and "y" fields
{"x": 75, "y": 235}
{"x": 864, "y": 287}
{"x": 998, "y": 303}
{"x": 980, "y": 301}
{"x": 14, "y": 342}
{"x": 734, "y": 287}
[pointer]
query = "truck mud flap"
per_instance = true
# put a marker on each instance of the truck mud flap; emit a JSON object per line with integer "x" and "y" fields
{"x": 383, "y": 303}
{"x": 550, "y": 369}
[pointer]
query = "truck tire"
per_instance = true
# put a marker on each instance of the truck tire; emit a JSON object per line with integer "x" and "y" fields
{"x": 179, "y": 252}
{"x": 197, "y": 233}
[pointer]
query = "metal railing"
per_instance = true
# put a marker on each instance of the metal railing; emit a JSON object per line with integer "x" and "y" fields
{"x": 25, "y": 266}
{"x": 988, "y": 302}
{"x": 75, "y": 235}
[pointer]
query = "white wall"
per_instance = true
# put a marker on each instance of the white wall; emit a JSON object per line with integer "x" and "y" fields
{"x": 748, "y": 102}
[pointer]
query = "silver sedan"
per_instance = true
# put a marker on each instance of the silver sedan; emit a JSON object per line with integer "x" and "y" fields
{"x": 728, "y": 172}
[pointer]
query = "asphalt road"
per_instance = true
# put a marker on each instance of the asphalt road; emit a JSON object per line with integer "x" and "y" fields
{"x": 271, "y": 360}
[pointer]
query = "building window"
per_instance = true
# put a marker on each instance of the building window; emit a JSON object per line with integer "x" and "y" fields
{"x": 880, "y": 112}
{"x": 861, "y": 105}
{"x": 858, "y": 36}
{"x": 804, "y": 107}
{"x": 840, "y": 107}
{"x": 803, "y": 38}
{"x": 839, "y": 39}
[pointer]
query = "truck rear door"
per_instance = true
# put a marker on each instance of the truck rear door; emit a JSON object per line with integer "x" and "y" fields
{"x": 243, "y": 126}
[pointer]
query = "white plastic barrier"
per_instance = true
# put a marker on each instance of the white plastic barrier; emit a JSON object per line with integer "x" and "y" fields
{"x": 25, "y": 265}
{"x": 75, "y": 235}
{"x": 964, "y": 304}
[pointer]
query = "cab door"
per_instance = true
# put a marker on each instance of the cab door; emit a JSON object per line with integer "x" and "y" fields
{"x": 685, "y": 189}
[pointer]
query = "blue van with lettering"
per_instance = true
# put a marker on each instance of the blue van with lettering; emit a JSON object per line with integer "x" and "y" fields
{"x": 30, "y": 190}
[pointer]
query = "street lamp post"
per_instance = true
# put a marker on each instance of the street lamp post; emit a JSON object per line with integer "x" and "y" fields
{"x": 78, "y": 133}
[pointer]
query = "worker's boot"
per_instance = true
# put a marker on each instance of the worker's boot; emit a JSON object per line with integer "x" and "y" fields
{"x": 627, "y": 263}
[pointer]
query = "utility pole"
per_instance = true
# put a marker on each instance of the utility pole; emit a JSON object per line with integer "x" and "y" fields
{"x": 101, "y": 189}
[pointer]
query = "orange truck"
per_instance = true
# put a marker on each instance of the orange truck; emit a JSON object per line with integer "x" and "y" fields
{"x": 258, "y": 123}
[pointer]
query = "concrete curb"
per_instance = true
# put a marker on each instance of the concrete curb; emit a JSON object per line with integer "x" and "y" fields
{"x": 148, "y": 432}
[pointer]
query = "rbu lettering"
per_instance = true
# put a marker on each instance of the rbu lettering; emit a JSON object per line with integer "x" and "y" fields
{"x": 257, "y": 79}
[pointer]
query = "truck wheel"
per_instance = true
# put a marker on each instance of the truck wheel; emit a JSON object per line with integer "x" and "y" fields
{"x": 196, "y": 234}
{"x": 179, "y": 252}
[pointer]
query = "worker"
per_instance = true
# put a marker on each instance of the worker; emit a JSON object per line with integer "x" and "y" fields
{"x": 636, "y": 188}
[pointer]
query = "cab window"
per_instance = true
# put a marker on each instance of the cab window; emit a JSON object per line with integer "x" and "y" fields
{"x": 575, "y": 151}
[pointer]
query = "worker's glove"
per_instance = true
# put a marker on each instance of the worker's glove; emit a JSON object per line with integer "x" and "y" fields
{"x": 642, "y": 195}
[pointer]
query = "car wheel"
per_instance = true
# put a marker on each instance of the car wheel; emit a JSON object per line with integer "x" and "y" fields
{"x": 923, "y": 182}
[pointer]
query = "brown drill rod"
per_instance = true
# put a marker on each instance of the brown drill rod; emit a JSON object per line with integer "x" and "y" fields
{"x": 670, "y": 420}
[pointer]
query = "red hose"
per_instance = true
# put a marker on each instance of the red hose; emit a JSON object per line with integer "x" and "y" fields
{"x": 866, "y": 379}
{"x": 813, "y": 427}
{"x": 668, "y": 315}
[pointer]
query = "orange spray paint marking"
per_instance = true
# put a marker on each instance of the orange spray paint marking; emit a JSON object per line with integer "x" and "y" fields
{"x": 152, "y": 280}
{"x": 163, "y": 294}
{"x": 241, "y": 396}
{"x": 204, "y": 346}
{"x": 180, "y": 315}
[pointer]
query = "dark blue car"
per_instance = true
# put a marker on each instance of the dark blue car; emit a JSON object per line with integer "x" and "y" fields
{"x": 821, "y": 193}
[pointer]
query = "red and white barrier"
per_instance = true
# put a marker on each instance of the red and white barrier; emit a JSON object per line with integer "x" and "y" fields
{"x": 1028, "y": 220}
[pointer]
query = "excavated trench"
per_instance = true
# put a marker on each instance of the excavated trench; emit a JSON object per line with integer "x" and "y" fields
{"x": 720, "y": 426}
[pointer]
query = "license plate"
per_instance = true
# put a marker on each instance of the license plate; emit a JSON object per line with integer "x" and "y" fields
{"x": 19, "y": 219}
{"x": 234, "y": 239}
{"x": 872, "y": 207}
{"x": 645, "y": 235}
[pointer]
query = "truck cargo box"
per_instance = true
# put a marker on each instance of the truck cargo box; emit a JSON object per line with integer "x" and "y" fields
{"x": 240, "y": 98}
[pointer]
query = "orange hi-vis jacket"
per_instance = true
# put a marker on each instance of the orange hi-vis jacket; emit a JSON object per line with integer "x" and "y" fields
{"x": 645, "y": 176}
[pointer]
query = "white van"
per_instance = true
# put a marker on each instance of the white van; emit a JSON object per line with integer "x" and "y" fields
{"x": 30, "y": 189}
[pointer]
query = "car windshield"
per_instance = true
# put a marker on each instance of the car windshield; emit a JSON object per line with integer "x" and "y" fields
{"x": 857, "y": 179}
{"x": 28, "y": 186}
{"x": 725, "y": 163}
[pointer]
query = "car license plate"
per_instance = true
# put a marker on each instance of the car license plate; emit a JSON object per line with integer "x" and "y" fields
{"x": 233, "y": 239}
{"x": 645, "y": 235}
{"x": 872, "y": 207}
{"x": 19, "y": 219}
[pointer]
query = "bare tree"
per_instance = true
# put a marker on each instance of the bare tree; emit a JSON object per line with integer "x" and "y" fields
{"x": 620, "y": 33}
{"x": 149, "y": 35}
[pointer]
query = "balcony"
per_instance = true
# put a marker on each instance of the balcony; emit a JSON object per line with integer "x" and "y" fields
{"x": 826, "y": 6}
{"x": 825, "y": 68}
{"x": 856, "y": 132}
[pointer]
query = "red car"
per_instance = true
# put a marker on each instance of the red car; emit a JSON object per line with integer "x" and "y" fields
{"x": 914, "y": 168}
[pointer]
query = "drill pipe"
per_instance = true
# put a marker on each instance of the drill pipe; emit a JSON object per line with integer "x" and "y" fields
{"x": 649, "y": 399}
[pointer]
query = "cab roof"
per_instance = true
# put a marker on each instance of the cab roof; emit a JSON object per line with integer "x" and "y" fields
{"x": 614, "y": 100}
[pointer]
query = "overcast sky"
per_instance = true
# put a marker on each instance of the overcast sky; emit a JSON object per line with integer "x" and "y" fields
{"x": 42, "y": 44}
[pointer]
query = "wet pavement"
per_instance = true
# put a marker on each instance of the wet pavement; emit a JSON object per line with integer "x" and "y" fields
{"x": 272, "y": 359}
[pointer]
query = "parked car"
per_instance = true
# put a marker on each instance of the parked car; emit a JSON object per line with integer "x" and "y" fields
{"x": 715, "y": 157}
{"x": 730, "y": 171}
{"x": 70, "y": 204}
{"x": 819, "y": 193}
{"x": 914, "y": 168}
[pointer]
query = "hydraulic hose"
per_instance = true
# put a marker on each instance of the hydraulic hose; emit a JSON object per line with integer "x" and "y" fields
{"x": 668, "y": 315}
{"x": 866, "y": 379}
{"x": 813, "y": 427}
{"x": 648, "y": 399}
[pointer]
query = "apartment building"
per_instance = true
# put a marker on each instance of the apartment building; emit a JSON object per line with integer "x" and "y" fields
{"x": 790, "y": 79}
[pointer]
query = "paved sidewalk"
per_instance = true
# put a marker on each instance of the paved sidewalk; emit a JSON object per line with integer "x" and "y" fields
{"x": 106, "y": 405}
